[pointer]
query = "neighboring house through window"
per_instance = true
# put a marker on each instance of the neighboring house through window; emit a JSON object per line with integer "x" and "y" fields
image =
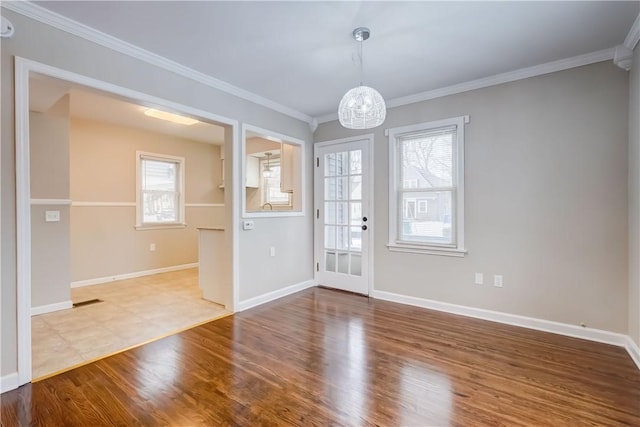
{"x": 160, "y": 191}
{"x": 426, "y": 189}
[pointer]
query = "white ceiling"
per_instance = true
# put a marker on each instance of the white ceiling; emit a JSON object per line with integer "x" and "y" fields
{"x": 89, "y": 104}
{"x": 299, "y": 54}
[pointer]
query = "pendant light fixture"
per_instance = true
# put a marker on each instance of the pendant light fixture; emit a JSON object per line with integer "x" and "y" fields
{"x": 267, "y": 172}
{"x": 362, "y": 107}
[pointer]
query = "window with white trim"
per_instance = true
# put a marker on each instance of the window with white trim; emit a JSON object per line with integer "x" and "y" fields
{"x": 160, "y": 191}
{"x": 271, "y": 191}
{"x": 426, "y": 188}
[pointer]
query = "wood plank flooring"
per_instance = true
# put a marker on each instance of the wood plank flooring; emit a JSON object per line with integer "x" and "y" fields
{"x": 323, "y": 357}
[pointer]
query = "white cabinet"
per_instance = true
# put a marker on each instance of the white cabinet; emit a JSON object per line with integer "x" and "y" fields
{"x": 252, "y": 172}
{"x": 289, "y": 168}
{"x": 212, "y": 267}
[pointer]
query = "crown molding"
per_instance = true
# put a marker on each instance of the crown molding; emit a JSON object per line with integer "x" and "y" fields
{"x": 510, "y": 76}
{"x": 623, "y": 57}
{"x": 75, "y": 28}
{"x": 634, "y": 34}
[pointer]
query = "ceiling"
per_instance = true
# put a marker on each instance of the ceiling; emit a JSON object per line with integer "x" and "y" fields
{"x": 300, "y": 54}
{"x": 90, "y": 104}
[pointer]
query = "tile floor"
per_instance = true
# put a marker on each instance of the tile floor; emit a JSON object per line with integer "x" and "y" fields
{"x": 134, "y": 311}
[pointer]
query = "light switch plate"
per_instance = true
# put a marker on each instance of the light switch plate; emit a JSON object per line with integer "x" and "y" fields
{"x": 52, "y": 216}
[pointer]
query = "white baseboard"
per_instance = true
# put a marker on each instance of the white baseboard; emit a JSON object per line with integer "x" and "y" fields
{"x": 270, "y": 296}
{"x": 9, "y": 382}
{"x": 49, "y": 308}
{"x": 633, "y": 350}
{"x": 590, "y": 334}
{"x": 98, "y": 280}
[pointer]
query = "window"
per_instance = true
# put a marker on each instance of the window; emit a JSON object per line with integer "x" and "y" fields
{"x": 271, "y": 185}
{"x": 160, "y": 191}
{"x": 422, "y": 206}
{"x": 426, "y": 188}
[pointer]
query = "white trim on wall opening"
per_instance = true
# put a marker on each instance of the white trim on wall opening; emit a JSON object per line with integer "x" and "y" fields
{"x": 243, "y": 170}
{"x": 23, "y": 69}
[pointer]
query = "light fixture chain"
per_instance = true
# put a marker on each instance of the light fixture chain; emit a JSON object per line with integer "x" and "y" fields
{"x": 361, "y": 62}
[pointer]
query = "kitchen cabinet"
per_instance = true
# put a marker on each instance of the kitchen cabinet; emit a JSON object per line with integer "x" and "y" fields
{"x": 252, "y": 172}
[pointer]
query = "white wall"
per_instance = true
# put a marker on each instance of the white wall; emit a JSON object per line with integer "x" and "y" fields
{"x": 546, "y": 199}
{"x": 634, "y": 197}
{"x": 39, "y": 42}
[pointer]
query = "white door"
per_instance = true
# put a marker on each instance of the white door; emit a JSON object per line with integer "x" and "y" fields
{"x": 342, "y": 214}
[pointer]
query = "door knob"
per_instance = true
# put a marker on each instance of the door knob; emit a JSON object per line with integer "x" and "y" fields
{"x": 364, "y": 227}
{"x": 364, "y": 218}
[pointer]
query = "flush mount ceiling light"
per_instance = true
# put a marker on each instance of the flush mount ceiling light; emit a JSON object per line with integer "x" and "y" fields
{"x": 362, "y": 107}
{"x": 170, "y": 117}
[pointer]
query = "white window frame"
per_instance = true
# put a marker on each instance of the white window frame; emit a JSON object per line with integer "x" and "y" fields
{"x": 140, "y": 224}
{"x": 457, "y": 248}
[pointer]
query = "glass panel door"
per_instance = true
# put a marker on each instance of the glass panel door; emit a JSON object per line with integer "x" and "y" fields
{"x": 342, "y": 225}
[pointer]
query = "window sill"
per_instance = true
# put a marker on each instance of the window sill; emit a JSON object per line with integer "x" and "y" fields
{"x": 428, "y": 250}
{"x": 159, "y": 226}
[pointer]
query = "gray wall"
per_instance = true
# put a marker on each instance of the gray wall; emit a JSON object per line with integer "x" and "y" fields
{"x": 634, "y": 197}
{"x": 50, "y": 251}
{"x": 546, "y": 199}
{"x": 42, "y": 43}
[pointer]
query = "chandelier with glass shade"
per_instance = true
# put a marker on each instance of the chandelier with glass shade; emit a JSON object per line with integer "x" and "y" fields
{"x": 362, "y": 107}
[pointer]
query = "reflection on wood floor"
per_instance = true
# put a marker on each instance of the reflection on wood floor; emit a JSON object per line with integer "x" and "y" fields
{"x": 133, "y": 311}
{"x": 323, "y": 357}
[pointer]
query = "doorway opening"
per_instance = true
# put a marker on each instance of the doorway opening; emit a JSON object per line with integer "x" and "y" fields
{"x": 78, "y": 214}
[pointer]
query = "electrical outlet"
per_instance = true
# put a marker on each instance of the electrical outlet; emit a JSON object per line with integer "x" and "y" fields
{"x": 152, "y": 247}
{"x": 272, "y": 251}
{"x": 479, "y": 278}
{"x": 497, "y": 280}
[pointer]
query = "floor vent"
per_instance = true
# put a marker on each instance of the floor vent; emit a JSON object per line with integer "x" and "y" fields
{"x": 87, "y": 302}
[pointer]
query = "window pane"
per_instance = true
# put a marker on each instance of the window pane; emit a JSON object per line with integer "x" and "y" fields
{"x": 159, "y": 175}
{"x": 342, "y": 238}
{"x": 330, "y": 261}
{"x": 329, "y": 237}
{"x": 159, "y": 206}
{"x": 432, "y": 226}
{"x": 330, "y": 212}
{"x": 343, "y": 213}
{"x": 342, "y": 163}
{"x": 330, "y": 164}
{"x": 356, "y": 213}
{"x": 426, "y": 161}
{"x": 355, "y": 238}
{"x": 159, "y": 190}
{"x": 356, "y": 264}
{"x": 342, "y": 188}
{"x": 355, "y": 187}
{"x": 329, "y": 188}
{"x": 343, "y": 263}
{"x": 271, "y": 185}
{"x": 355, "y": 162}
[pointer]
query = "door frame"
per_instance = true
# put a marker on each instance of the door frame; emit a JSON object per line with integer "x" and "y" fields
{"x": 23, "y": 68}
{"x": 317, "y": 202}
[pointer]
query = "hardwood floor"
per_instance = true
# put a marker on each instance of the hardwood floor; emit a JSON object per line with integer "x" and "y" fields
{"x": 323, "y": 357}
